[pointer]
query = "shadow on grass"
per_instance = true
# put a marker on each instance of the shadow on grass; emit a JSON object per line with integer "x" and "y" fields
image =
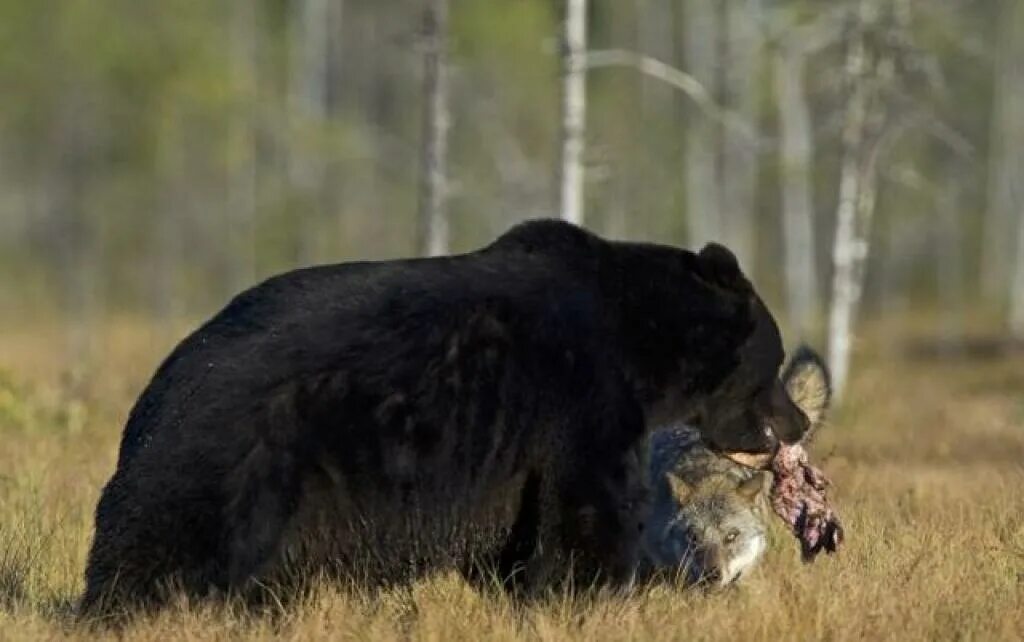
{"x": 13, "y": 589}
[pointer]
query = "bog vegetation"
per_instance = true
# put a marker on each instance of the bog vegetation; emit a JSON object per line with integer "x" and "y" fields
{"x": 862, "y": 157}
{"x": 927, "y": 457}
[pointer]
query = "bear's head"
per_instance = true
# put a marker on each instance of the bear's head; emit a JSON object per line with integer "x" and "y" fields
{"x": 750, "y": 412}
{"x": 696, "y": 343}
{"x": 704, "y": 349}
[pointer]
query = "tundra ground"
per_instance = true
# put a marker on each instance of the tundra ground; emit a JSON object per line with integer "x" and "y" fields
{"x": 927, "y": 458}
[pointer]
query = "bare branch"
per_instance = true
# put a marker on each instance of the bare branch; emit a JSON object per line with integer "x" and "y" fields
{"x": 673, "y": 77}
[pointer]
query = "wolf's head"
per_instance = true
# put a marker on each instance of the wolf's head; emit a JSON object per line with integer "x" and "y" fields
{"x": 706, "y": 521}
{"x": 717, "y": 533}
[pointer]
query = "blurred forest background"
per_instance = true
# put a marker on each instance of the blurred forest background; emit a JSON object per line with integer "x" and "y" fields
{"x": 157, "y": 157}
{"x": 863, "y": 158}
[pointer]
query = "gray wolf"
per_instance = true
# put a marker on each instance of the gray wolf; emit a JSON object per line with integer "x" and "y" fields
{"x": 708, "y": 516}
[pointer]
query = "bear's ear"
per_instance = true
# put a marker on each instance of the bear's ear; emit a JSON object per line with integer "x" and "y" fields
{"x": 751, "y": 488}
{"x": 681, "y": 491}
{"x": 718, "y": 265}
{"x": 808, "y": 383}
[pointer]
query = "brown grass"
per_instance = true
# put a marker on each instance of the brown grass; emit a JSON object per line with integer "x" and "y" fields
{"x": 928, "y": 461}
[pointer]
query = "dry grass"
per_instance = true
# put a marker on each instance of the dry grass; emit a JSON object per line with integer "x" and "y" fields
{"x": 928, "y": 460}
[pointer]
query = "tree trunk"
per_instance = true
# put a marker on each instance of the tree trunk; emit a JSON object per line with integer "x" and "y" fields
{"x": 241, "y": 242}
{"x": 999, "y": 220}
{"x": 702, "y": 181}
{"x": 433, "y": 216}
{"x": 797, "y": 148}
{"x": 167, "y": 232}
{"x": 739, "y": 152}
{"x": 1012, "y": 169}
{"x": 309, "y": 55}
{"x": 853, "y": 214}
{"x": 76, "y": 145}
{"x": 574, "y": 109}
{"x": 1017, "y": 284}
{"x": 950, "y": 266}
{"x": 654, "y": 36}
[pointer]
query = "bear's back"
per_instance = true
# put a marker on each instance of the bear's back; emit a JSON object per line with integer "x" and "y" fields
{"x": 365, "y": 316}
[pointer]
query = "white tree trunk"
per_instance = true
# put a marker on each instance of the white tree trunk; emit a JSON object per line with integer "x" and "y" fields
{"x": 856, "y": 202}
{"x": 242, "y": 149}
{"x": 739, "y": 148}
{"x": 796, "y": 148}
{"x": 574, "y": 111}
{"x": 433, "y": 214}
{"x": 309, "y": 51}
{"x": 702, "y": 181}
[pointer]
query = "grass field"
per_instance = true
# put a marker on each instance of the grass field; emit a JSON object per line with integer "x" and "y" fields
{"x": 927, "y": 457}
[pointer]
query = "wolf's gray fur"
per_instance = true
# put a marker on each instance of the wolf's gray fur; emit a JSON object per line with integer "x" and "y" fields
{"x": 707, "y": 521}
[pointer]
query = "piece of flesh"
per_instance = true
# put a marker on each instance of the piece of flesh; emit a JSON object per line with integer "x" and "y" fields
{"x": 799, "y": 497}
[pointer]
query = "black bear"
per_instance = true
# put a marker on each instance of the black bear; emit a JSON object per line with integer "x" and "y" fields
{"x": 383, "y": 420}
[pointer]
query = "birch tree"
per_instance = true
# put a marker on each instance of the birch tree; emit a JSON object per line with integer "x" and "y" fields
{"x": 703, "y": 211}
{"x": 1017, "y": 283}
{"x": 857, "y": 190}
{"x": 309, "y": 52}
{"x": 1006, "y": 118}
{"x": 167, "y": 233}
{"x": 574, "y": 111}
{"x": 950, "y": 264}
{"x": 241, "y": 215}
{"x": 880, "y": 47}
{"x": 796, "y": 150}
{"x": 738, "y": 184}
{"x": 433, "y": 233}
{"x": 77, "y": 236}
{"x": 1004, "y": 243}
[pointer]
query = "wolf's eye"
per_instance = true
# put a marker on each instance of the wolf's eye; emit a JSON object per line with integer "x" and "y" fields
{"x": 731, "y": 536}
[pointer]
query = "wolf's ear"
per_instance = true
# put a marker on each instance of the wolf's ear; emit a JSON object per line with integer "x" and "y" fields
{"x": 808, "y": 383}
{"x": 681, "y": 491}
{"x": 751, "y": 488}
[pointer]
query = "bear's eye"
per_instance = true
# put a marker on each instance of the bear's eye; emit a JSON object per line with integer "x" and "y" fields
{"x": 731, "y": 536}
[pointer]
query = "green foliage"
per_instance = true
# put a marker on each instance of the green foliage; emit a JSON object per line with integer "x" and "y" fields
{"x": 24, "y": 409}
{"x": 116, "y": 136}
{"x": 15, "y": 411}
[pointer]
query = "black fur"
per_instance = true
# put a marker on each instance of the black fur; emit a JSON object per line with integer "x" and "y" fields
{"x": 380, "y": 420}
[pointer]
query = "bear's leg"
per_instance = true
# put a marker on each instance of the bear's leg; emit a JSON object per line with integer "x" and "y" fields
{"x": 115, "y": 585}
{"x": 151, "y": 537}
{"x": 601, "y": 498}
{"x": 597, "y": 534}
{"x": 262, "y": 497}
{"x": 505, "y": 568}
